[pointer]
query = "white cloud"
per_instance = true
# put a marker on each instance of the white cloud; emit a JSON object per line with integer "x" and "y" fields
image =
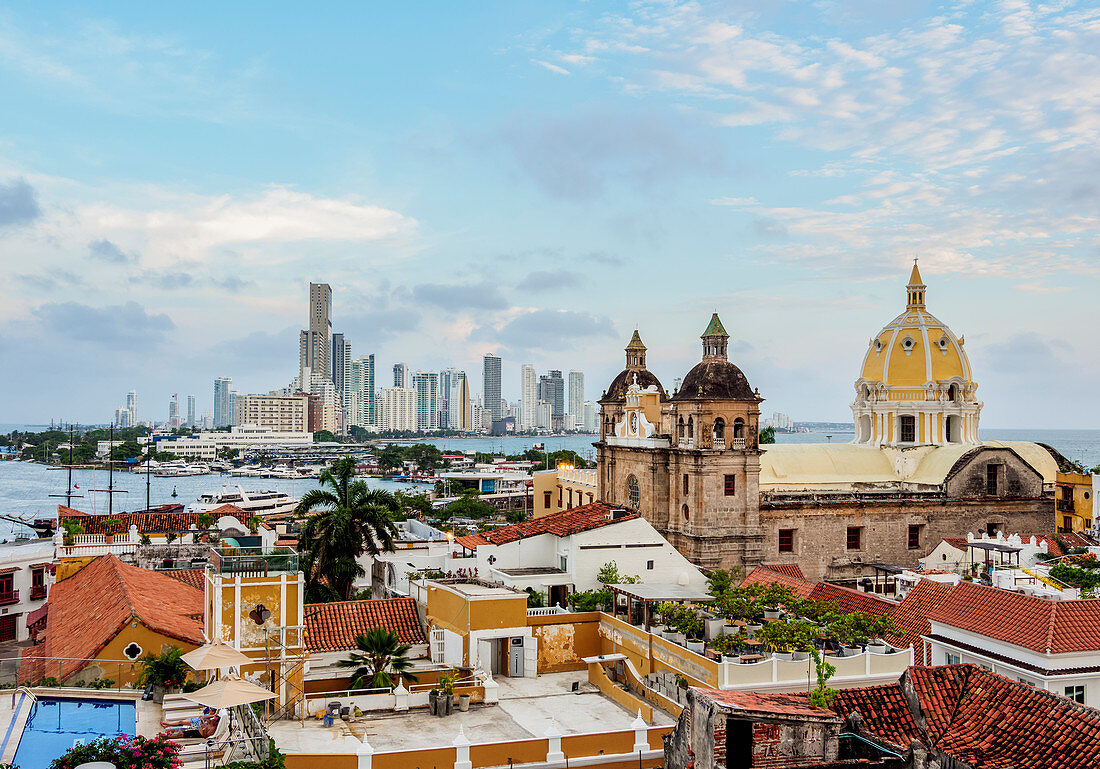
{"x": 551, "y": 67}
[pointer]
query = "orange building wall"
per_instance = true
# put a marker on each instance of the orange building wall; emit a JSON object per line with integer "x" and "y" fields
{"x": 565, "y": 639}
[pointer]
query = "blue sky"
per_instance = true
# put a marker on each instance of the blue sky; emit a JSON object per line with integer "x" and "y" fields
{"x": 535, "y": 179}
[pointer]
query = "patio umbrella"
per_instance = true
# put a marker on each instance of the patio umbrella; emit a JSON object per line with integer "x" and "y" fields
{"x": 215, "y": 655}
{"x": 229, "y": 692}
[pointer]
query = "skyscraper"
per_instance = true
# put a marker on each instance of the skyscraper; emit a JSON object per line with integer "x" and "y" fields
{"x": 191, "y": 410}
{"x": 576, "y": 401}
{"x": 400, "y": 375}
{"x": 341, "y": 365}
{"x": 462, "y": 403}
{"x": 361, "y": 382}
{"x": 314, "y": 343}
{"x": 223, "y": 402}
{"x": 552, "y": 390}
{"x": 490, "y": 385}
{"x": 529, "y": 397}
{"x": 426, "y": 384}
{"x": 447, "y": 379}
{"x": 174, "y": 411}
{"x": 131, "y": 406}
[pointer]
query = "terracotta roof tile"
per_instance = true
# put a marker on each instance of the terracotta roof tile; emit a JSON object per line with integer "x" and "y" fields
{"x": 572, "y": 521}
{"x": 89, "y": 609}
{"x": 911, "y": 615}
{"x": 850, "y": 600}
{"x": 764, "y": 576}
{"x": 333, "y": 626}
{"x": 982, "y": 719}
{"x": 1049, "y": 627}
{"x": 759, "y": 702}
{"x": 193, "y": 577}
{"x": 790, "y": 569}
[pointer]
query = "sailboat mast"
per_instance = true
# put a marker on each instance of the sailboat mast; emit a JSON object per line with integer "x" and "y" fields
{"x": 69, "y": 490}
{"x": 148, "y": 475}
{"x": 111, "y": 471}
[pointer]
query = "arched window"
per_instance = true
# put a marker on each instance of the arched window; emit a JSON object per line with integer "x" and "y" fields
{"x": 953, "y": 393}
{"x": 719, "y": 431}
{"x": 633, "y": 492}
{"x": 739, "y": 428}
{"x": 691, "y": 428}
{"x": 680, "y": 427}
{"x": 684, "y": 509}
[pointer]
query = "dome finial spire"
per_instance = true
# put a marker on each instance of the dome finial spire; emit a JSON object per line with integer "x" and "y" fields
{"x": 635, "y": 352}
{"x": 715, "y": 339}
{"x": 915, "y": 288}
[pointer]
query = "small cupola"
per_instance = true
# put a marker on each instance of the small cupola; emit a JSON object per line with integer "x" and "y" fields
{"x": 916, "y": 289}
{"x": 635, "y": 352}
{"x": 715, "y": 339}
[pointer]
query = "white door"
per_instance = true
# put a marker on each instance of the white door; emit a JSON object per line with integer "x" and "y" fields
{"x": 530, "y": 657}
{"x": 485, "y": 657}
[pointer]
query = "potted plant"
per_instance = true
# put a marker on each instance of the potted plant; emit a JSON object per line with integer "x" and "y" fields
{"x": 446, "y": 695}
{"x": 165, "y": 672}
{"x": 728, "y": 646}
{"x": 254, "y": 524}
{"x": 204, "y": 522}
{"x": 433, "y": 702}
{"x": 787, "y": 637}
{"x": 776, "y": 597}
{"x": 72, "y": 529}
{"x": 464, "y": 702}
{"x": 877, "y": 628}
{"x": 111, "y": 525}
{"x": 691, "y": 626}
{"x": 848, "y": 631}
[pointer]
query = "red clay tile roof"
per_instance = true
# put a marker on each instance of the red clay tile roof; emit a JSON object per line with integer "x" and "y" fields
{"x": 982, "y": 719}
{"x": 790, "y": 569}
{"x": 572, "y": 521}
{"x": 192, "y": 577}
{"x": 1051, "y": 627}
{"x": 851, "y": 600}
{"x": 911, "y": 615}
{"x": 333, "y": 626}
{"x": 156, "y": 521}
{"x": 764, "y": 576}
{"x": 89, "y": 609}
{"x": 758, "y": 702}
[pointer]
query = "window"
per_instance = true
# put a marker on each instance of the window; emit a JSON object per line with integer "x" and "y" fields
{"x": 633, "y": 493}
{"x": 1076, "y": 693}
{"x": 914, "y": 536}
{"x": 546, "y": 499}
{"x": 559, "y": 497}
{"x": 992, "y": 476}
{"x": 649, "y": 565}
{"x": 685, "y": 483}
{"x": 954, "y": 659}
{"x": 571, "y": 497}
{"x": 685, "y": 511}
{"x": 786, "y": 540}
{"x": 730, "y": 485}
{"x": 38, "y": 577}
{"x": 855, "y": 537}
{"x": 1025, "y": 682}
{"x": 564, "y": 563}
{"x": 1067, "y": 523}
{"x": 908, "y": 429}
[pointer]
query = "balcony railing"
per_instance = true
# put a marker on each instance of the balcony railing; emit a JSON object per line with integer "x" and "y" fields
{"x": 253, "y": 561}
{"x": 9, "y": 597}
{"x": 739, "y": 443}
{"x": 1064, "y": 505}
{"x": 38, "y": 592}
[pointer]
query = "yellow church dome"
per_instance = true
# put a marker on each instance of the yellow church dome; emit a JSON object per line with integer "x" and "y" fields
{"x": 915, "y": 348}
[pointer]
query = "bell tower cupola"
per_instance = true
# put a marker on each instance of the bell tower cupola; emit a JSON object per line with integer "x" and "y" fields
{"x": 715, "y": 340}
{"x": 916, "y": 290}
{"x": 635, "y": 353}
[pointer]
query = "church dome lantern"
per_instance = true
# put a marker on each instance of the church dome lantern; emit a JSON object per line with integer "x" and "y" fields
{"x": 715, "y": 377}
{"x": 634, "y": 373}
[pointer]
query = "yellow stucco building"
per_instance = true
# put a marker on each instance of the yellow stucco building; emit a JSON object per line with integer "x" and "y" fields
{"x": 1073, "y": 501}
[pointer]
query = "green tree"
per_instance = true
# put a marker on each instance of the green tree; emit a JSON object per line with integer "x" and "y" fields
{"x": 426, "y": 456}
{"x": 227, "y": 453}
{"x": 351, "y": 519}
{"x": 167, "y": 669}
{"x": 380, "y": 662}
{"x": 767, "y": 435}
{"x": 324, "y": 436}
{"x": 518, "y": 515}
{"x": 419, "y": 504}
{"x": 469, "y": 506}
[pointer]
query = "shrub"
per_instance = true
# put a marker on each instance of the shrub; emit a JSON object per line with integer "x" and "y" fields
{"x": 125, "y": 752}
{"x": 167, "y": 669}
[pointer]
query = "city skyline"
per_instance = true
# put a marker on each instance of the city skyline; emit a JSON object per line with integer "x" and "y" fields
{"x": 780, "y": 167}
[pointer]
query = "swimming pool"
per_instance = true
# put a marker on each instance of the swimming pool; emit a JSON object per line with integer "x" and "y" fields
{"x": 58, "y": 723}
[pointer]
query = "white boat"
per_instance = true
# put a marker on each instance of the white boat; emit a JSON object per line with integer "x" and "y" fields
{"x": 179, "y": 469}
{"x": 260, "y": 503}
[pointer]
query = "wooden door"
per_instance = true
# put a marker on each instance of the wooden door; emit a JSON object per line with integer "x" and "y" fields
{"x": 7, "y": 627}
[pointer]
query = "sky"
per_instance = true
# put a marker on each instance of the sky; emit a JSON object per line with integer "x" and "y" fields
{"x": 537, "y": 179}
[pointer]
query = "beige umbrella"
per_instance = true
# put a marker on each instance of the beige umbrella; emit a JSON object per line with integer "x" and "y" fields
{"x": 229, "y": 692}
{"x": 215, "y": 655}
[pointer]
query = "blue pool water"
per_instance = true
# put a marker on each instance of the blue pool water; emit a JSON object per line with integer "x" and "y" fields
{"x": 57, "y": 724}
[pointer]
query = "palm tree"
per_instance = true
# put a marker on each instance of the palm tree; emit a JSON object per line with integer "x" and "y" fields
{"x": 351, "y": 520}
{"x": 380, "y": 661}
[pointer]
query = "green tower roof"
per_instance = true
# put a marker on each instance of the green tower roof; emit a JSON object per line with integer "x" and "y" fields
{"x": 715, "y": 328}
{"x": 635, "y": 342}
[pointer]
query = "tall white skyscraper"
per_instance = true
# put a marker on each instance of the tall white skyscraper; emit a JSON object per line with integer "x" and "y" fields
{"x": 591, "y": 417}
{"x": 529, "y": 396}
{"x": 341, "y": 364}
{"x": 397, "y": 408}
{"x": 426, "y": 384}
{"x": 576, "y": 401}
{"x": 361, "y": 381}
{"x": 191, "y": 410}
{"x": 314, "y": 346}
{"x": 223, "y": 401}
{"x": 131, "y": 407}
{"x": 400, "y": 375}
{"x": 490, "y": 385}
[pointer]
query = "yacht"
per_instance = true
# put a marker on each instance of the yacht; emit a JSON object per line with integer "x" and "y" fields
{"x": 179, "y": 469}
{"x": 259, "y": 503}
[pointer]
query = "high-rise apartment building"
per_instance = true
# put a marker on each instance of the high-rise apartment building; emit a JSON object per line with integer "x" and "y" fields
{"x": 121, "y": 417}
{"x": 460, "y": 398}
{"x": 529, "y": 397}
{"x": 174, "y": 411}
{"x": 576, "y": 401}
{"x": 341, "y": 364}
{"x": 490, "y": 385}
{"x": 400, "y": 375}
{"x": 314, "y": 347}
{"x": 426, "y": 384}
{"x": 552, "y": 390}
{"x": 223, "y": 402}
{"x": 361, "y": 381}
{"x": 190, "y": 410}
{"x": 131, "y": 407}
{"x": 591, "y": 417}
{"x": 281, "y": 413}
{"x": 544, "y": 415}
{"x": 397, "y": 408}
